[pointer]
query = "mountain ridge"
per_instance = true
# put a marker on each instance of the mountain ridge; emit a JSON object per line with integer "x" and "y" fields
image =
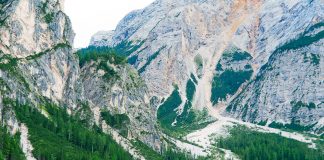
{"x": 183, "y": 35}
{"x": 175, "y": 80}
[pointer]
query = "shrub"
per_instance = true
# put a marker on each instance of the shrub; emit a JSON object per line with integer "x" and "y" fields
{"x": 49, "y": 17}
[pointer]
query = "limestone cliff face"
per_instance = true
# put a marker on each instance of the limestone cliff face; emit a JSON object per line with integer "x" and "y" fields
{"x": 36, "y": 60}
{"x": 36, "y": 54}
{"x": 38, "y": 35}
{"x": 123, "y": 93}
{"x": 37, "y": 64}
{"x": 30, "y": 26}
{"x": 180, "y": 38}
{"x": 288, "y": 88}
{"x": 267, "y": 56}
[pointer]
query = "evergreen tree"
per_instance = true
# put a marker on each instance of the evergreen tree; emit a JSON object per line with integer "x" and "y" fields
{"x": 248, "y": 144}
{"x": 62, "y": 136}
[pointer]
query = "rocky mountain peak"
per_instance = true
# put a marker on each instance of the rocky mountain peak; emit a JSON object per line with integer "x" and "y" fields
{"x": 179, "y": 41}
{"x": 101, "y": 38}
{"x": 177, "y": 76}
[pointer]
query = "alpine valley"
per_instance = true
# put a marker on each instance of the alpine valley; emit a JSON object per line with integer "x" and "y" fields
{"x": 177, "y": 80}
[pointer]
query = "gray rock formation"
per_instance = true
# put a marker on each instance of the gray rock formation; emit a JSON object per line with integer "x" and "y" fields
{"x": 36, "y": 54}
{"x": 101, "y": 38}
{"x": 37, "y": 64}
{"x": 123, "y": 93}
{"x": 173, "y": 33}
{"x": 267, "y": 56}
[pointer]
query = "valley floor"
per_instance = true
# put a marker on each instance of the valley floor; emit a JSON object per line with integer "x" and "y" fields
{"x": 202, "y": 142}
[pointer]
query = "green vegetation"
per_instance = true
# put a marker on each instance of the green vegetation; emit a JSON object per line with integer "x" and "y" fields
{"x": 110, "y": 72}
{"x": 219, "y": 67}
{"x": 9, "y": 146}
{"x": 190, "y": 90}
{"x": 237, "y": 55}
{"x": 303, "y": 40}
{"x": 132, "y": 60}
{"x": 188, "y": 120}
{"x": 294, "y": 126}
{"x": 245, "y": 110}
{"x": 320, "y": 142}
{"x": 126, "y": 48}
{"x": 4, "y": 88}
{"x": 313, "y": 58}
{"x": 166, "y": 113}
{"x": 62, "y": 136}
{"x": 54, "y": 48}
{"x": 146, "y": 151}
{"x": 187, "y": 116}
{"x": 193, "y": 78}
{"x": 115, "y": 55}
{"x": 248, "y": 67}
{"x": 228, "y": 82}
{"x": 150, "y": 59}
{"x": 9, "y": 64}
{"x": 135, "y": 80}
{"x": 173, "y": 155}
{"x": 248, "y": 144}
{"x": 107, "y": 59}
{"x": 84, "y": 113}
{"x": 117, "y": 121}
{"x": 93, "y": 53}
{"x": 262, "y": 123}
{"x": 44, "y": 6}
{"x": 297, "y": 105}
{"x": 2, "y": 12}
{"x": 199, "y": 63}
{"x": 150, "y": 154}
{"x": 2, "y": 22}
{"x": 315, "y": 26}
{"x": 49, "y": 17}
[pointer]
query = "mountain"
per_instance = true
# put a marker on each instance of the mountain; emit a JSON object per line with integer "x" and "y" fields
{"x": 194, "y": 79}
{"x": 39, "y": 69}
{"x": 261, "y": 60}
